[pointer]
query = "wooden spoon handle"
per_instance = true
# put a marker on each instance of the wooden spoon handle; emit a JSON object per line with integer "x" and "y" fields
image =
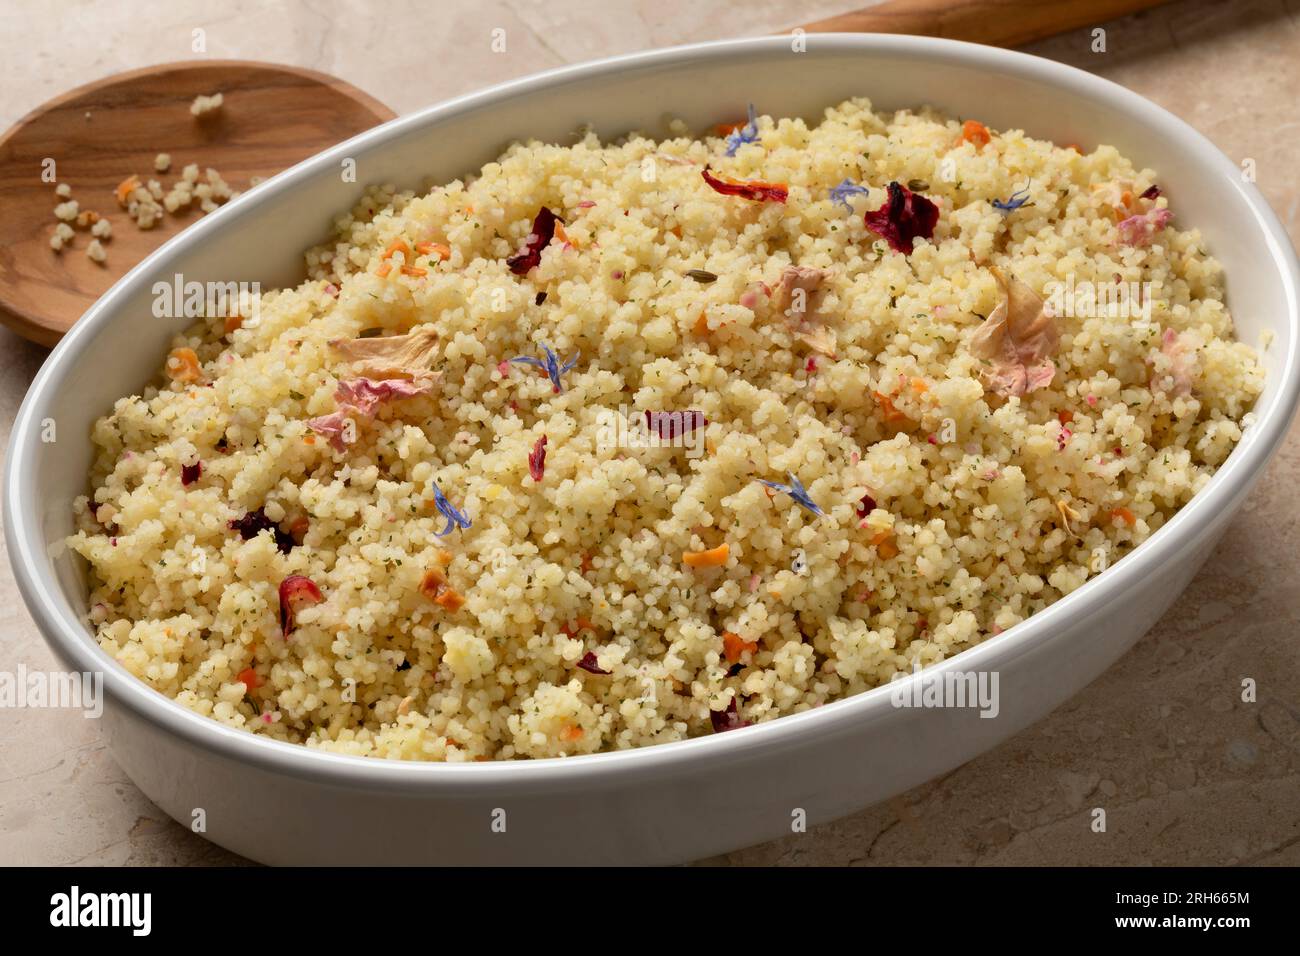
{"x": 992, "y": 22}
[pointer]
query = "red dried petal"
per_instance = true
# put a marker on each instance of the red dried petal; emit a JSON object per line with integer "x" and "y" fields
{"x": 728, "y": 719}
{"x": 754, "y": 190}
{"x": 905, "y": 217}
{"x": 531, "y": 254}
{"x": 255, "y": 522}
{"x": 588, "y": 663}
{"x": 670, "y": 425}
{"x": 866, "y": 506}
{"x": 537, "y": 459}
{"x": 191, "y": 473}
{"x": 296, "y": 592}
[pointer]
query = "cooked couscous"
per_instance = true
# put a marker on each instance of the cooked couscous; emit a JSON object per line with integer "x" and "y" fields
{"x": 921, "y": 379}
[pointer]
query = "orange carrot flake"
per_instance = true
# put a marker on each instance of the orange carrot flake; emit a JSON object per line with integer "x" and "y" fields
{"x": 712, "y": 558}
{"x": 733, "y": 646}
{"x": 443, "y": 252}
{"x": 1124, "y": 515}
{"x": 433, "y": 582}
{"x": 975, "y": 132}
{"x": 183, "y": 366}
{"x": 125, "y": 188}
{"x": 397, "y": 245}
{"x": 892, "y": 414}
{"x": 451, "y": 599}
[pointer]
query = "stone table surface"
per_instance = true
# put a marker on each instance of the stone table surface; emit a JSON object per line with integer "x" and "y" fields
{"x": 1188, "y": 773}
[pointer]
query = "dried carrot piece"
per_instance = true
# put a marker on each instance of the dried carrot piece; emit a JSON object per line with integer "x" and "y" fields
{"x": 975, "y": 132}
{"x": 451, "y": 599}
{"x": 397, "y": 245}
{"x": 733, "y": 646}
{"x": 183, "y": 366}
{"x": 701, "y": 324}
{"x": 416, "y": 271}
{"x": 892, "y": 414}
{"x": 384, "y": 269}
{"x": 712, "y": 558}
{"x": 248, "y": 677}
{"x": 883, "y": 541}
{"x": 125, "y": 188}
{"x": 571, "y": 733}
{"x": 432, "y": 583}
{"x": 443, "y": 252}
{"x": 1124, "y": 515}
{"x": 234, "y": 322}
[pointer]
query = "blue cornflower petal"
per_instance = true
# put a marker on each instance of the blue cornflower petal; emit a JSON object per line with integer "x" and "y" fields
{"x": 1014, "y": 202}
{"x": 796, "y": 491}
{"x": 455, "y": 517}
{"x": 840, "y": 194}
{"x": 746, "y": 134}
{"x": 551, "y": 364}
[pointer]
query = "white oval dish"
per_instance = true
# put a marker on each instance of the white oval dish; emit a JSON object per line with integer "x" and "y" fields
{"x": 280, "y": 803}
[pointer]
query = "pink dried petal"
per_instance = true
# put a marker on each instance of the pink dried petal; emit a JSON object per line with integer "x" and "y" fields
{"x": 333, "y": 426}
{"x": 296, "y": 592}
{"x": 1138, "y": 231}
{"x": 366, "y": 395}
{"x": 1017, "y": 338}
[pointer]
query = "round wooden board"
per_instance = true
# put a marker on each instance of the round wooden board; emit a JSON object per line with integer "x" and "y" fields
{"x": 99, "y": 134}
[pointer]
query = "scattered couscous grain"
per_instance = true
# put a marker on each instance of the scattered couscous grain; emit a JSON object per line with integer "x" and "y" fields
{"x": 203, "y": 105}
{"x": 911, "y": 439}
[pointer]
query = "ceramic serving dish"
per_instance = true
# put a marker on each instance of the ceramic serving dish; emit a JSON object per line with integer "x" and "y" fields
{"x": 279, "y": 803}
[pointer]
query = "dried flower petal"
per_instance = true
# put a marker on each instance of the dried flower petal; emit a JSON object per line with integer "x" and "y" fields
{"x": 550, "y": 365}
{"x": 904, "y": 218}
{"x": 840, "y": 194}
{"x": 191, "y": 473}
{"x": 755, "y": 190}
{"x": 366, "y": 395}
{"x": 255, "y": 522}
{"x": 1181, "y": 365}
{"x": 537, "y": 459}
{"x": 745, "y": 135}
{"x": 338, "y": 427}
{"x": 794, "y": 297}
{"x": 455, "y": 517}
{"x": 1017, "y": 338}
{"x": 390, "y": 356}
{"x": 1017, "y": 199}
{"x": 728, "y": 719}
{"x": 670, "y": 425}
{"x": 531, "y": 254}
{"x": 296, "y": 592}
{"x": 796, "y": 491}
{"x": 1138, "y": 231}
{"x": 589, "y": 664}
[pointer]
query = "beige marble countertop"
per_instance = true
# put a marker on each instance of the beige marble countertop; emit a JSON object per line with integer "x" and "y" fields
{"x": 1188, "y": 774}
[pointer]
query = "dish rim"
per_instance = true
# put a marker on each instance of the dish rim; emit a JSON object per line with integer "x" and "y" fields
{"x": 73, "y": 642}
